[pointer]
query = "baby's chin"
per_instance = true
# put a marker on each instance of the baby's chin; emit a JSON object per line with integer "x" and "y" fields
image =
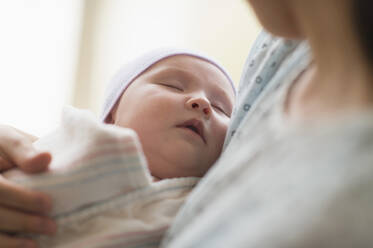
{"x": 159, "y": 174}
{"x": 176, "y": 165}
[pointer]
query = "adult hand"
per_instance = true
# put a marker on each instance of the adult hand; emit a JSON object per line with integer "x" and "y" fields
{"x": 16, "y": 150}
{"x": 22, "y": 210}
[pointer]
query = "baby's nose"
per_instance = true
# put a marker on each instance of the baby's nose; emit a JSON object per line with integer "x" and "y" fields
{"x": 200, "y": 104}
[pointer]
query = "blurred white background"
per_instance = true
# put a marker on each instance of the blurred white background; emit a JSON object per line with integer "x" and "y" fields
{"x": 58, "y": 52}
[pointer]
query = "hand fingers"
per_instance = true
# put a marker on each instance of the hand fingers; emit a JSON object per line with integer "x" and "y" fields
{"x": 5, "y": 164}
{"x": 37, "y": 163}
{"x": 13, "y": 242}
{"x": 18, "y": 149}
{"x": 18, "y": 222}
{"x": 14, "y": 196}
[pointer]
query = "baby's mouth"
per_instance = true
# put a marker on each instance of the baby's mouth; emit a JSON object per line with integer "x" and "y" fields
{"x": 195, "y": 126}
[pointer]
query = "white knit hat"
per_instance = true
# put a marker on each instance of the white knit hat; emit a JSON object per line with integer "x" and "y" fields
{"x": 132, "y": 70}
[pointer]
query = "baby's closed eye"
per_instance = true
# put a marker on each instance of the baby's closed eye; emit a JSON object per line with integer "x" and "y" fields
{"x": 172, "y": 86}
{"x": 220, "y": 109}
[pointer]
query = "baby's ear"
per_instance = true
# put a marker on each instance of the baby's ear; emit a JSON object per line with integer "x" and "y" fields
{"x": 110, "y": 119}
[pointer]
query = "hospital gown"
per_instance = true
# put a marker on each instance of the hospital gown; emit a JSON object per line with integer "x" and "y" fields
{"x": 278, "y": 184}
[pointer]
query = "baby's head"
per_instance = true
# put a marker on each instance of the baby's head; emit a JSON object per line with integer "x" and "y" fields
{"x": 179, "y": 103}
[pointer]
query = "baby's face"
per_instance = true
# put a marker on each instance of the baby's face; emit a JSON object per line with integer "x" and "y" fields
{"x": 180, "y": 108}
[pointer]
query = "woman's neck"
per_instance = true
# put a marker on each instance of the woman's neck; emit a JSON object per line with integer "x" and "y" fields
{"x": 341, "y": 78}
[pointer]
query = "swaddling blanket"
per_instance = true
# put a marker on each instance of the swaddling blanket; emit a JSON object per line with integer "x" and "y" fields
{"x": 101, "y": 188}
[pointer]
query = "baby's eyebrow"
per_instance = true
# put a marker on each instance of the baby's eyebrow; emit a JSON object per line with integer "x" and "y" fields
{"x": 177, "y": 72}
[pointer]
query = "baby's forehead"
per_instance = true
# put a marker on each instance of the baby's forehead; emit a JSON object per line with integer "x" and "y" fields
{"x": 191, "y": 68}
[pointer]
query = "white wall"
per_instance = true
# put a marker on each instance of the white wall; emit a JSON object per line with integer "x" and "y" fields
{"x": 119, "y": 30}
{"x": 38, "y": 48}
{"x": 56, "y": 52}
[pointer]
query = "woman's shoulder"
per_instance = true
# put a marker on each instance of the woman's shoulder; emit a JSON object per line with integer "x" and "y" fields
{"x": 268, "y": 65}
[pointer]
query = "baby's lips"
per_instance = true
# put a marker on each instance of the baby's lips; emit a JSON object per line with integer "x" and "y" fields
{"x": 197, "y": 124}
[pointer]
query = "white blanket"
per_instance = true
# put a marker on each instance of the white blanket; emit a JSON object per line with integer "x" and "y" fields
{"x": 102, "y": 190}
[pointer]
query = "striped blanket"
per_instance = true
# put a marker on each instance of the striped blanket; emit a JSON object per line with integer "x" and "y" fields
{"x": 102, "y": 190}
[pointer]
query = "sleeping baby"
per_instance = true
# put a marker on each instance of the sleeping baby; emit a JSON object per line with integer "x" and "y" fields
{"x": 120, "y": 183}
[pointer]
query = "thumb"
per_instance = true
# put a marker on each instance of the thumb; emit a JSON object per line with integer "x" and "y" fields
{"x": 18, "y": 150}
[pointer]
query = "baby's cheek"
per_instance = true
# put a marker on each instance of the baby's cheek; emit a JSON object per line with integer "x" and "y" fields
{"x": 222, "y": 129}
{"x": 219, "y": 136}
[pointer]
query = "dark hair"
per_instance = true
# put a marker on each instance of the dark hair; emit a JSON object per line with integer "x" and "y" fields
{"x": 363, "y": 11}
